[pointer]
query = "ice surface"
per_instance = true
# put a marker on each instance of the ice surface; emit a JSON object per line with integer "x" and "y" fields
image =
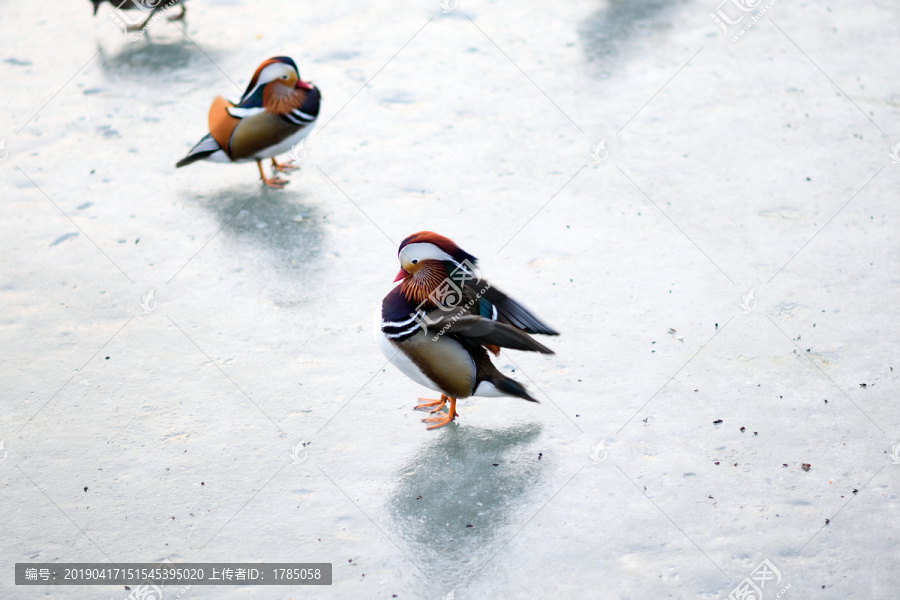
{"x": 243, "y": 412}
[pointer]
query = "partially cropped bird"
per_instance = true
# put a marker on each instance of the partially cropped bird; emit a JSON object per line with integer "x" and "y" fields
{"x": 276, "y": 112}
{"x": 151, "y": 6}
{"x": 441, "y": 318}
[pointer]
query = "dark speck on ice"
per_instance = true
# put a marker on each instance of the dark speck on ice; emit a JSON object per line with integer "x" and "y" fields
{"x": 63, "y": 238}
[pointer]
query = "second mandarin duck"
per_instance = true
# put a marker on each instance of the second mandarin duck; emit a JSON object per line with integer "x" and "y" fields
{"x": 276, "y": 112}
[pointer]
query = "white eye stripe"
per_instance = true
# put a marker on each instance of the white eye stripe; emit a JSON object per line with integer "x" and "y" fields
{"x": 268, "y": 75}
{"x": 275, "y": 71}
{"x": 423, "y": 251}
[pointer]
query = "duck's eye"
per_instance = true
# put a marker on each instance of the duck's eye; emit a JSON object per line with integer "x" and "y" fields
{"x": 415, "y": 261}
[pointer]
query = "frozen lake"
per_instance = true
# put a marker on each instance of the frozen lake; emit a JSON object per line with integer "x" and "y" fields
{"x": 708, "y": 217}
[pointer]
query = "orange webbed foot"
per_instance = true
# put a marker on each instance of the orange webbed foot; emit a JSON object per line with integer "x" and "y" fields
{"x": 283, "y": 167}
{"x": 272, "y": 182}
{"x": 429, "y": 403}
{"x": 444, "y": 419}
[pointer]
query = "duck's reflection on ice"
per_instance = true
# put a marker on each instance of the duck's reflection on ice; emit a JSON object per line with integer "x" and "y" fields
{"x": 460, "y": 498}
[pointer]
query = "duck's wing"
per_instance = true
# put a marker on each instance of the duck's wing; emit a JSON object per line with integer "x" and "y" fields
{"x": 480, "y": 297}
{"x": 482, "y": 331}
{"x": 500, "y": 307}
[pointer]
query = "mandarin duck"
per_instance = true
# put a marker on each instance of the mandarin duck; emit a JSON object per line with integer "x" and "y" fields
{"x": 275, "y": 113}
{"x": 152, "y": 6}
{"x": 441, "y": 318}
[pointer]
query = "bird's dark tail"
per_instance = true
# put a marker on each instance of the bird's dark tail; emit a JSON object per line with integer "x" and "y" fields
{"x": 511, "y": 387}
{"x": 192, "y": 158}
{"x": 204, "y": 148}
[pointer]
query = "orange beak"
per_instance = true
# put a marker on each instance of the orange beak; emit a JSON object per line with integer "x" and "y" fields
{"x": 401, "y": 275}
{"x": 303, "y": 85}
